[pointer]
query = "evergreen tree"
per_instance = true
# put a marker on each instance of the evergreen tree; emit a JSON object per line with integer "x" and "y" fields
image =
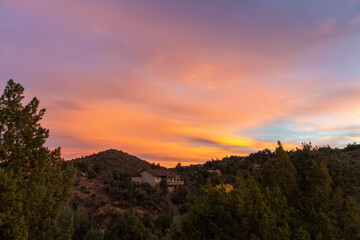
{"x": 207, "y": 218}
{"x": 344, "y": 216}
{"x": 63, "y": 229}
{"x": 82, "y": 224}
{"x": 93, "y": 234}
{"x": 128, "y": 227}
{"x": 163, "y": 186}
{"x": 65, "y": 222}
{"x": 162, "y": 222}
{"x": 243, "y": 213}
{"x": 37, "y": 179}
{"x": 280, "y": 172}
{"x": 12, "y": 221}
{"x": 279, "y": 209}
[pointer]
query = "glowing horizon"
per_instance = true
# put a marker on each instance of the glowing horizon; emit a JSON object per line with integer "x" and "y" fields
{"x": 186, "y": 81}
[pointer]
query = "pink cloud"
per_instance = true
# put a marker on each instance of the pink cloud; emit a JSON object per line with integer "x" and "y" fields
{"x": 152, "y": 80}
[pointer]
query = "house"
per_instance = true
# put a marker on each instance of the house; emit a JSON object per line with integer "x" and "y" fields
{"x": 154, "y": 177}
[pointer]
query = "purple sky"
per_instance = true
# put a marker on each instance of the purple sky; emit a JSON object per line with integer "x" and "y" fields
{"x": 187, "y": 81}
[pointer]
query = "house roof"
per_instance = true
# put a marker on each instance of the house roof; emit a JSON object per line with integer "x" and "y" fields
{"x": 135, "y": 175}
{"x": 160, "y": 172}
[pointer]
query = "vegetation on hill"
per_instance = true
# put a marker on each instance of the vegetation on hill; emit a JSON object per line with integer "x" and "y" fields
{"x": 107, "y": 195}
{"x": 308, "y": 193}
{"x": 106, "y": 162}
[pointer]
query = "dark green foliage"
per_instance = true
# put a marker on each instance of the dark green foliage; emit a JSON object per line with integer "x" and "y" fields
{"x": 162, "y": 222}
{"x": 93, "y": 234}
{"x": 128, "y": 184}
{"x": 81, "y": 165}
{"x": 280, "y": 172}
{"x": 82, "y": 224}
{"x": 178, "y": 167}
{"x": 92, "y": 174}
{"x": 98, "y": 168}
{"x": 300, "y": 197}
{"x": 128, "y": 227}
{"x": 65, "y": 222}
{"x": 163, "y": 186}
{"x": 63, "y": 229}
{"x": 244, "y": 213}
{"x": 12, "y": 220}
{"x": 128, "y": 187}
{"x": 304, "y": 194}
{"x": 179, "y": 196}
{"x": 35, "y": 178}
{"x": 117, "y": 175}
{"x": 301, "y": 234}
{"x": 352, "y": 147}
{"x": 155, "y": 166}
{"x": 114, "y": 159}
{"x": 187, "y": 202}
{"x": 344, "y": 215}
{"x": 151, "y": 198}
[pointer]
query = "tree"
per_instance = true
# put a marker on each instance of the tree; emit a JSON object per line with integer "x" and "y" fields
{"x": 324, "y": 210}
{"x": 280, "y": 172}
{"x": 208, "y": 217}
{"x": 179, "y": 168}
{"x": 66, "y": 222}
{"x": 98, "y": 168}
{"x": 163, "y": 186}
{"x": 36, "y": 178}
{"x": 128, "y": 227}
{"x": 92, "y": 174}
{"x": 82, "y": 224}
{"x": 93, "y": 234}
{"x": 243, "y": 213}
{"x": 12, "y": 222}
{"x": 179, "y": 196}
{"x": 163, "y": 221}
{"x": 63, "y": 229}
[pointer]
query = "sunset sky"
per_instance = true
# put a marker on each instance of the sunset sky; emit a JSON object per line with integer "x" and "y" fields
{"x": 188, "y": 80}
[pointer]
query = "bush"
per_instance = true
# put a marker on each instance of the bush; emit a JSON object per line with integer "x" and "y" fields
{"x": 98, "y": 168}
{"x": 162, "y": 222}
{"x": 91, "y": 174}
{"x": 82, "y": 166}
{"x": 128, "y": 227}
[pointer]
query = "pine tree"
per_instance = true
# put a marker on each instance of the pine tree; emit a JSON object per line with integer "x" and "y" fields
{"x": 280, "y": 172}
{"x": 12, "y": 222}
{"x": 82, "y": 224}
{"x": 128, "y": 227}
{"x": 39, "y": 177}
{"x": 93, "y": 234}
{"x": 66, "y": 223}
{"x": 243, "y": 213}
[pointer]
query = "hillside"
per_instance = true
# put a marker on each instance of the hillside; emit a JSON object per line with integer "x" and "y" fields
{"x": 104, "y": 190}
{"x": 112, "y": 160}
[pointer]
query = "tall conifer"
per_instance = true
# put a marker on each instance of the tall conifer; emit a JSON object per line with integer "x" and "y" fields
{"x": 35, "y": 178}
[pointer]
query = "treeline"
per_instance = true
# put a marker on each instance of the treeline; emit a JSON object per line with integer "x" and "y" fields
{"x": 303, "y": 194}
{"x": 303, "y": 200}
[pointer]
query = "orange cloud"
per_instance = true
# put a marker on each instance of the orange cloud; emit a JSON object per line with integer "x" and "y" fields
{"x": 172, "y": 83}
